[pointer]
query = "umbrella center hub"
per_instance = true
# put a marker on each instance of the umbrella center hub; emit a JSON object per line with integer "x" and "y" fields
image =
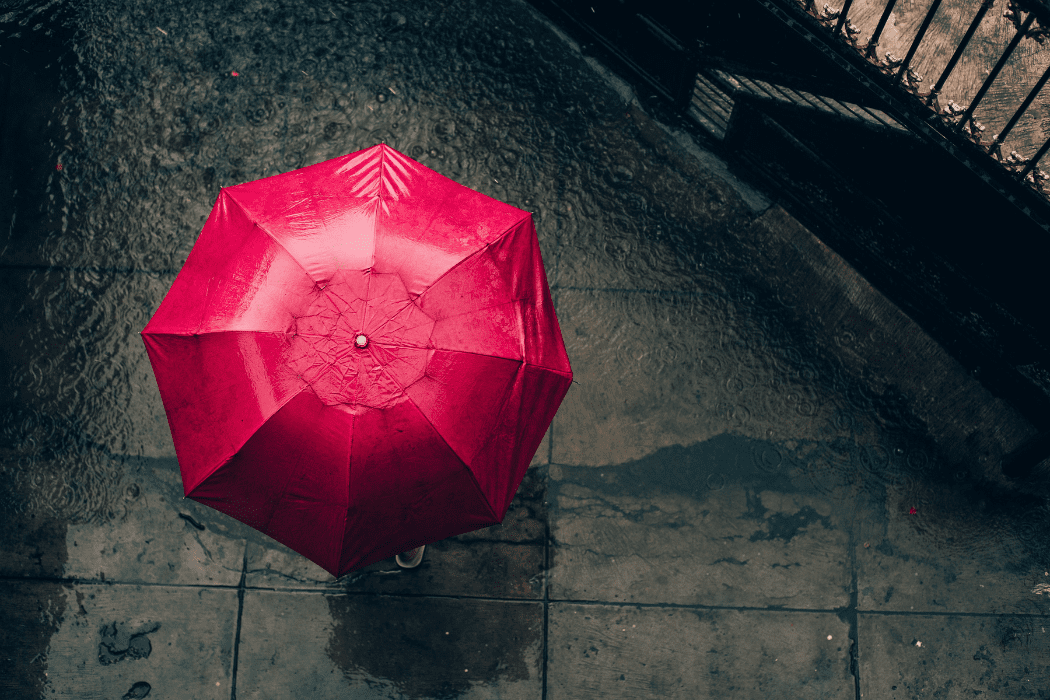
{"x": 361, "y": 341}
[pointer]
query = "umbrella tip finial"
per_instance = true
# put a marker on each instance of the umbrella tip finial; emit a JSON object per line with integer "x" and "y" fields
{"x": 361, "y": 341}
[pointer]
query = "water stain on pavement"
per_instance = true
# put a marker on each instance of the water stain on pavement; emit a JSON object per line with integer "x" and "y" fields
{"x": 137, "y": 691}
{"x": 785, "y": 527}
{"x": 949, "y": 510}
{"x": 32, "y": 612}
{"x": 120, "y": 643}
{"x": 447, "y": 646}
{"x": 696, "y": 469}
{"x": 30, "y": 616}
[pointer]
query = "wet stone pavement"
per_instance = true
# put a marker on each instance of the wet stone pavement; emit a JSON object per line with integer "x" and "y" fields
{"x": 766, "y": 481}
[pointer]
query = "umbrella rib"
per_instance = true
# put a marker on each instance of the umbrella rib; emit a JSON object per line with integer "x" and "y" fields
{"x": 270, "y": 235}
{"x": 438, "y": 433}
{"x": 473, "y": 310}
{"x": 518, "y": 376}
{"x": 375, "y": 223}
{"x": 473, "y": 255}
{"x": 362, "y": 320}
{"x": 480, "y": 354}
{"x": 284, "y": 492}
{"x": 233, "y": 454}
{"x": 461, "y": 352}
{"x": 349, "y": 464}
{"x": 473, "y": 479}
{"x": 440, "y": 482}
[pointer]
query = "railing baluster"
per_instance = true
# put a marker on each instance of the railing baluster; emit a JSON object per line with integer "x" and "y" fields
{"x": 918, "y": 38}
{"x": 998, "y": 67}
{"x": 873, "y": 42}
{"x": 842, "y": 17}
{"x": 1035, "y": 160}
{"x": 1001, "y": 136}
{"x": 958, "y": 51}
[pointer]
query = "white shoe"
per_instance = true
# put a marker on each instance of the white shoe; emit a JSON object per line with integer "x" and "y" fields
{"x": 411, "y": 558}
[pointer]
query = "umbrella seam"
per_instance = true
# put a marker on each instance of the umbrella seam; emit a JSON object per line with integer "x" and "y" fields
{"x": 477, "y": 487}
{"x": 273, "y": 238}
{"x": 436, "y": 320}
{"x": 466, "y": 466}
{"x": 346, "y": 508}
{"x": 475, "y": 254}
{"x": 404, "y": 389}
{"x": 464, "y": 352}
{"x": 519, "y": 376}
{"x": 554, "y": 370}
{"x": 442, "y": 481}
{"x": 375, "y": 223}
{"x": 233, "y": 454}
{"x": 363, "y": 318}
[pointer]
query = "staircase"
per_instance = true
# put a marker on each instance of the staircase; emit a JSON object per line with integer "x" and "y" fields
{"x": 716, "y": 91}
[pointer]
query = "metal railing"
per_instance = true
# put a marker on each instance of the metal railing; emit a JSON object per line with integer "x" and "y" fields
{"x": 1031, "y": 19}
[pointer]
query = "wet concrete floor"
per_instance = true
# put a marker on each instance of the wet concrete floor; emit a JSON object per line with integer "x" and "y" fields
{"x": 766, "y": 482}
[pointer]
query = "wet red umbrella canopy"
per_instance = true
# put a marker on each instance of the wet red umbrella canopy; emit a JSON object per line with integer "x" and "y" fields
{"x": 359, "y": 357}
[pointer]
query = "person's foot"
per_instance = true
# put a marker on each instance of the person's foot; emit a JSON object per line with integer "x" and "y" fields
{"x": 411, "y": 558}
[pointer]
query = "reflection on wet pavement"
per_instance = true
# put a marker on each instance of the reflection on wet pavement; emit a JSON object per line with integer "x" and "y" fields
{"x": 766, "y": 477}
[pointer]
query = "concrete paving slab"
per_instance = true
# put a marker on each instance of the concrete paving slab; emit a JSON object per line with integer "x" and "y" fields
{"x": 32, "y": 612}
{"x": 450, "y": 567}
{"x": 115, "y": 208}
{"x": 624, "y": 535}
{"x": 34, "y": 543}
{"x": 502, "y": 561}
{"x": 112, "y": 641}
{"x": 82, "y": 370}
{"x": 954, "y": 656}
{"x": 159, "y": 537}
{"x": 658, "y": 369}
{"x": 845, "y": 317}
{"x": 149, "y": 535}
{"x": 644, "y": 242}
{"x": 307, "y": 644}
{"x": 630, "y": 652}
{"x": 952, "y": 547}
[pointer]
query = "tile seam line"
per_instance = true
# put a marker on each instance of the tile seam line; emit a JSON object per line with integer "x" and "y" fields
{"x": 420, "y": 596}
{"x": 272, "y": 589}
{"x": 98, "y": 582}
{"x": 247, "y": 587}
{"x": 851, "y": 614}
{"x": 623, "y": 290}
{"x": 237, "y": 633}
{"x": 589, "y": 603}
{"x": 545, "y": 656}
{"x": 85, "y": 268}
{"x": 832, "y": 611}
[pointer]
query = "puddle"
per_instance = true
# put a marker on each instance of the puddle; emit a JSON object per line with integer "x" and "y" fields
{"x": 451, "y": 646}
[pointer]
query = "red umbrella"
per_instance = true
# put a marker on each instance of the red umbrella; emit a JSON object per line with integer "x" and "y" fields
{"x": 359, "y": 357}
